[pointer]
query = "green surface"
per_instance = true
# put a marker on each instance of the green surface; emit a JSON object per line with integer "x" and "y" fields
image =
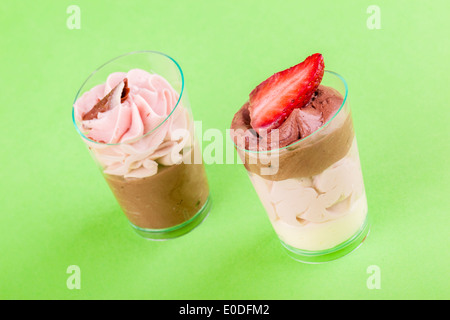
{"x": 57, "y": 211}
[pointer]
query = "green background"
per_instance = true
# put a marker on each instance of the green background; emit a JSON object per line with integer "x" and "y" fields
{"x": 56, "y": 210}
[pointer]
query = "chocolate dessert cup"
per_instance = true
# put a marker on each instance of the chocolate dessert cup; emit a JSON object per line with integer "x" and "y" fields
{"x": 157, "y": 176}
{"x": 311, "y": 186}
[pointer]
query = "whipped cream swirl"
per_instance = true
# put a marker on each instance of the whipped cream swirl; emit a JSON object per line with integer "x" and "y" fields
{"x": 132, "y": 137}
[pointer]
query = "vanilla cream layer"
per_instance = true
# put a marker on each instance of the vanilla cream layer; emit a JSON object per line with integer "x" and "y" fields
{"x": 325, "y": 235}
{"x": 318, "y": 212}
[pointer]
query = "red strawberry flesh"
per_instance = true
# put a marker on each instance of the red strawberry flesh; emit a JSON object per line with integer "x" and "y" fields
{"x": 272, "y": 101}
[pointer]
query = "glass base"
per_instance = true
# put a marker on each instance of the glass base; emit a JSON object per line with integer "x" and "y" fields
{"x": 178, "y": 230}
{"x": 327, "y": 255}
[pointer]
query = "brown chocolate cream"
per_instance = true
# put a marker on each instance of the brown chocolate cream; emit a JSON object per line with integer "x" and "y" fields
{"x": 170, "y": 197}
{"x": 304, "y": 145}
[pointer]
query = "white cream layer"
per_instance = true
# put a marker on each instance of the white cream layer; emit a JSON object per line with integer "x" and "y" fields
{"x": 318, "y": 212}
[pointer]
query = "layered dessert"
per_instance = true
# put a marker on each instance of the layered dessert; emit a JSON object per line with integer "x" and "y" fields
{"x": 297, "y": 142}
{"x": 142, "y": 137}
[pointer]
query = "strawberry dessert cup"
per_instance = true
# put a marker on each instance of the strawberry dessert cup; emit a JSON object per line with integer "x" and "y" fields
{"x": 296, "y": 138}
{"x": 134, "y": 116}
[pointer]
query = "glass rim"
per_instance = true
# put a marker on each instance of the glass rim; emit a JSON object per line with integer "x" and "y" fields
{"x": 312, "y": 134}
{"x": 107, "y": 63}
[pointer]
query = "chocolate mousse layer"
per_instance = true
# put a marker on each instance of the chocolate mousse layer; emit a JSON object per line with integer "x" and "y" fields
{"x": 170, "y": 197}
{"x": 303, "y": 146}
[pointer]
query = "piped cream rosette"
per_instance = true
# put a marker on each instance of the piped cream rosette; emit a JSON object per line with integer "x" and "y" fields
{"x": 133, "y": 137}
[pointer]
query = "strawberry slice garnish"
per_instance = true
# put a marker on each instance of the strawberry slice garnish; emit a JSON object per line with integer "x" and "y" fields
{"x": 272, "y": 101}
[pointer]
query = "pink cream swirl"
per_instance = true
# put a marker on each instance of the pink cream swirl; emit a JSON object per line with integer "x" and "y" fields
{"x": 122, "y": 140}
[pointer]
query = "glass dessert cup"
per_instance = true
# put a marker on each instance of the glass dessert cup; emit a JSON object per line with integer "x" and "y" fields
{"x": 158, "y": 178}
{"x": 313, "y": 189}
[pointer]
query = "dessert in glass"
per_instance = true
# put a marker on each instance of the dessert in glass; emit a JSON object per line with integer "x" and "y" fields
{"x": 296, "y": 138}
{"x": 134, "y": 115}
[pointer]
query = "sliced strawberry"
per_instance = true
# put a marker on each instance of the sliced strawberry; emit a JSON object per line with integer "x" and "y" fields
{"x": 273, "y": 100}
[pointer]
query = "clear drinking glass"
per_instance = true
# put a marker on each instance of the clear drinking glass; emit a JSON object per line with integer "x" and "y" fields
{"x": 157, "y": 178}
{"x": 313, "y": 189}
